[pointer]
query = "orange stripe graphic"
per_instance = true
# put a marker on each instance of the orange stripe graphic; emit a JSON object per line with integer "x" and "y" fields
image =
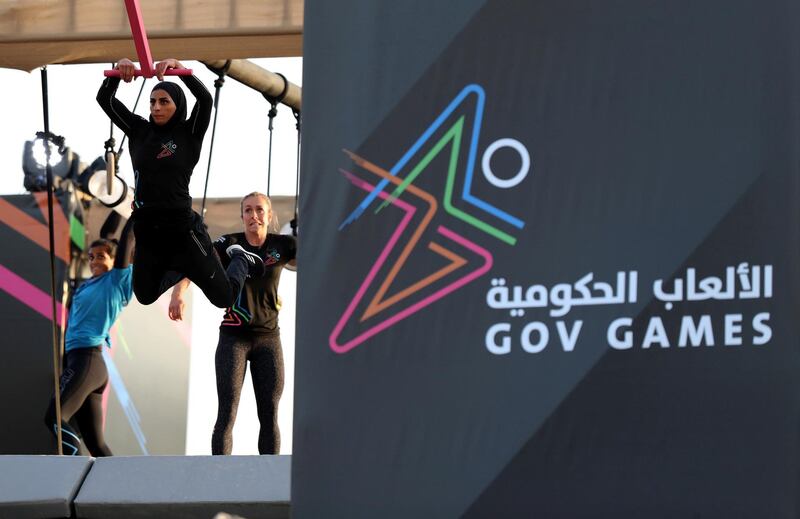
{"x": 58, "y": 214}
{"x": 378, "y": 304}
{"x": 456, "y": 262}
{"x": 36, "y": 231}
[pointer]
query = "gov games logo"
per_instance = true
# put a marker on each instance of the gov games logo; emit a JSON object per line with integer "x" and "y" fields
{"x": 448, "y": 148}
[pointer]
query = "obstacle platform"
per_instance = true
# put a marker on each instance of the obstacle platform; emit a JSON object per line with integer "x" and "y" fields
{"x": 145, "y": 486}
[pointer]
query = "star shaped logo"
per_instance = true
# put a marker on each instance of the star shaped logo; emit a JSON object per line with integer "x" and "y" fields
{"x": 446, "y": 149}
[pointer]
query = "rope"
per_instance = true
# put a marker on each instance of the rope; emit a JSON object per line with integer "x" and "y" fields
{"x": 122, "y": 143}
{"x": 217, "y": 86}
{"x": 293, "y": 223}
{"x": 112, "y": 157}
{"x": 109, "y": 155}
{"x": 274, "y": 101}
{"x": 56, "y": 349}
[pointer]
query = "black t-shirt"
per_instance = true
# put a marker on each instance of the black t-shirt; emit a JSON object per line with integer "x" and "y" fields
{"x": 163, "y": 157}
{"x": 256, "y": 309}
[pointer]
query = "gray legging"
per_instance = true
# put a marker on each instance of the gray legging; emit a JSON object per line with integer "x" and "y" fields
{"x": 266, "y": 369}
{"x": 82, "y": 385}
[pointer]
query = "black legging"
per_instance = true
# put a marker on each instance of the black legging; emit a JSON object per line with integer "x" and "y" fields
{"x": 169, "y": 248}
{"x": 82, "y": 384}
{"x": 266, "y": 369}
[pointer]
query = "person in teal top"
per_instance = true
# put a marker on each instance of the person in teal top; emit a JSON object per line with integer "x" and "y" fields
{"x": 95, "y": 306}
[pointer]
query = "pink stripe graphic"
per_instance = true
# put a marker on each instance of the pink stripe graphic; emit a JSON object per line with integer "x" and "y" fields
{"x": 31, "y": 296}
{"x": 410, "y": 210}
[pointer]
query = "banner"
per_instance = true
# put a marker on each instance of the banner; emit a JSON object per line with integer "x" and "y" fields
{"x": 554, "y": 273}
{"x": 26, "y": 374}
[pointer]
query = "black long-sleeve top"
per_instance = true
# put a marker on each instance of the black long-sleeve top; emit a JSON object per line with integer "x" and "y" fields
{"x": 163, "y": 157}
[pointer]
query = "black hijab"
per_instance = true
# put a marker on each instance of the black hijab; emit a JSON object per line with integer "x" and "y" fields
{"x": 176, "y": 93}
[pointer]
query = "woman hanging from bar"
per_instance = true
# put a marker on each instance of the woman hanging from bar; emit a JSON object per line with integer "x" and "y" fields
{"x": 171, "y": 240}
{"x": 95, "y": 306}
{"x": 249, "y": 330}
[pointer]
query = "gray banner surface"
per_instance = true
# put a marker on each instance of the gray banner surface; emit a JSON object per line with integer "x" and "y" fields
{"x": 553, "y": 269}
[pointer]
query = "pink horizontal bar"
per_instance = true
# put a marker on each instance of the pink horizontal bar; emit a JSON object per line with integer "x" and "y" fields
{"x": 139, "y": 73}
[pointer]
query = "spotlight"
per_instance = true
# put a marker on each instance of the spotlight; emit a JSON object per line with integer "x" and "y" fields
{"x": 63, "y": 162}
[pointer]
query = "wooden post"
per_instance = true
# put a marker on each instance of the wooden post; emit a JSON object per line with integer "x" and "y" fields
{"x": 266, "y": 82}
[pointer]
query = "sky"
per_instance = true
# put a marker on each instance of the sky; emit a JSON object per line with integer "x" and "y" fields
{"x": 239, "y": 164}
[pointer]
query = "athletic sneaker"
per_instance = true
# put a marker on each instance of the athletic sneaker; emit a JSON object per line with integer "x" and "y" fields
{"x": 254, "y": 262}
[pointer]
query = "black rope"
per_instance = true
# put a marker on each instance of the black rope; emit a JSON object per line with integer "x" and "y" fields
{"x": 272, "y": 114}
{"x": 220, "y": 81}
{"x": 122, "y": 143}
{"x": 49, "y": 170}
{"x": 110, "y": 155}
{"x": 293, "y": 222}
{"x": 274, "y": 101}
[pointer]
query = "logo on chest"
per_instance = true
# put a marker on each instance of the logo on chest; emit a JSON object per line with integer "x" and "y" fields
{"x": 273, "y": 257}
{"x": 167, "y": 150}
